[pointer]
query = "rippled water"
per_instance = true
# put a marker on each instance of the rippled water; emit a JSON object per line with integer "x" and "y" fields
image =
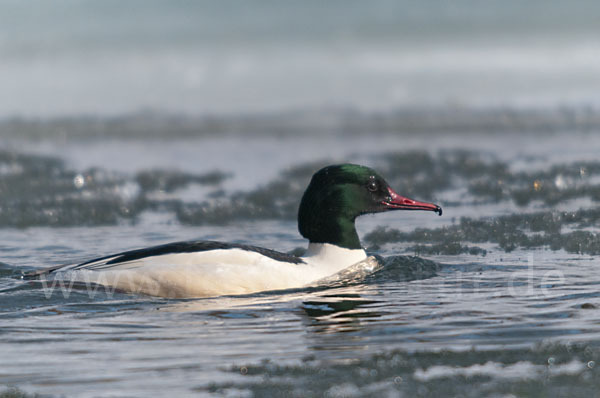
{"x": 499, "y": 296}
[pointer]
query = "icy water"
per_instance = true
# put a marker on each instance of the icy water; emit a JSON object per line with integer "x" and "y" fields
{"x": 498, "y": 297}
{"x": 130, "y": 124}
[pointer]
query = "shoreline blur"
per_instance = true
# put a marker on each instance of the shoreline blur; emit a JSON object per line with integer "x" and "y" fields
{"x": 69, "y": 58}
{"x": 160, "y": 125}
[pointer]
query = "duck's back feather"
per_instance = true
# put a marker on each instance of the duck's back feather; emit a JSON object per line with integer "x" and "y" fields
{"x": 121, "y": 260}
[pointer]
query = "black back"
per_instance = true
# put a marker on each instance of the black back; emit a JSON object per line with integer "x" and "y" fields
{"x": 169, "y": 248}
{"x": 195, "y": 246}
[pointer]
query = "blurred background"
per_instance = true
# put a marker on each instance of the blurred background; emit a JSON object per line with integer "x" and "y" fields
{"x": 69, "y": 58}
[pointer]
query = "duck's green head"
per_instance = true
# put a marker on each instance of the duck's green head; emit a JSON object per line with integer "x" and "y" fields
{"x": 338, "y": 194}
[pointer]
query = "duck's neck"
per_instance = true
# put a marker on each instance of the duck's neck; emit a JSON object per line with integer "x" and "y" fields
{"x": 327, "y": 253}
{"x": 338, "y": 231}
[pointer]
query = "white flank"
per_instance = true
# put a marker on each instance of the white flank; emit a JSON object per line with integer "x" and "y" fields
{"x": 217, "y": 272}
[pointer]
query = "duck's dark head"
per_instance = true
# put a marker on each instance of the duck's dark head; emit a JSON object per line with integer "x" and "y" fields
{"x": 338, "y": 194}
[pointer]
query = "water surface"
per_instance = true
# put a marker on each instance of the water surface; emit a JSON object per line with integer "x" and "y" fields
{"x": 498, "y": 296}
{"x": 130, "y": 124}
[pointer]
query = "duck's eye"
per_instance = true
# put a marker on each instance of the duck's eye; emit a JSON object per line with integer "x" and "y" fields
{"x": 372, "y": 186}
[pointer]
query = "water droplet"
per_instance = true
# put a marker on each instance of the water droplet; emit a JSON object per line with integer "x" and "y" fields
{"x": 244, "y": 370}
{"x": 591, "y": 364}
{"x": 560, "y": 182}
{"x": 79, "y": 181}
{"x": 551, "y": 361}
{"x": 569, "y": 346}
{"x": 398, "y": 379}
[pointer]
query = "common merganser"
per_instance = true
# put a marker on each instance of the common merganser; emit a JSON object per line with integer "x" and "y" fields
{"x": 336, "y": 195}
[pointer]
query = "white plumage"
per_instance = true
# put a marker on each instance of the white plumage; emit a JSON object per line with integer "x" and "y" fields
{"x": 213, "y": 272}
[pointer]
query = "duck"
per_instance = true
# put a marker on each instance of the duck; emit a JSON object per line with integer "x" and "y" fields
{"x": 334, "y": 198}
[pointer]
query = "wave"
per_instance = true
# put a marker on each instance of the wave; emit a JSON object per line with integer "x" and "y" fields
{"x": 308, "y": 120}
{"x": 475, "y": 372}
{"x": 526, "y": 231}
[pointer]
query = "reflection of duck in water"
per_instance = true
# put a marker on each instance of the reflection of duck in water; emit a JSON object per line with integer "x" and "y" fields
{"x": 334, "y": 198}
